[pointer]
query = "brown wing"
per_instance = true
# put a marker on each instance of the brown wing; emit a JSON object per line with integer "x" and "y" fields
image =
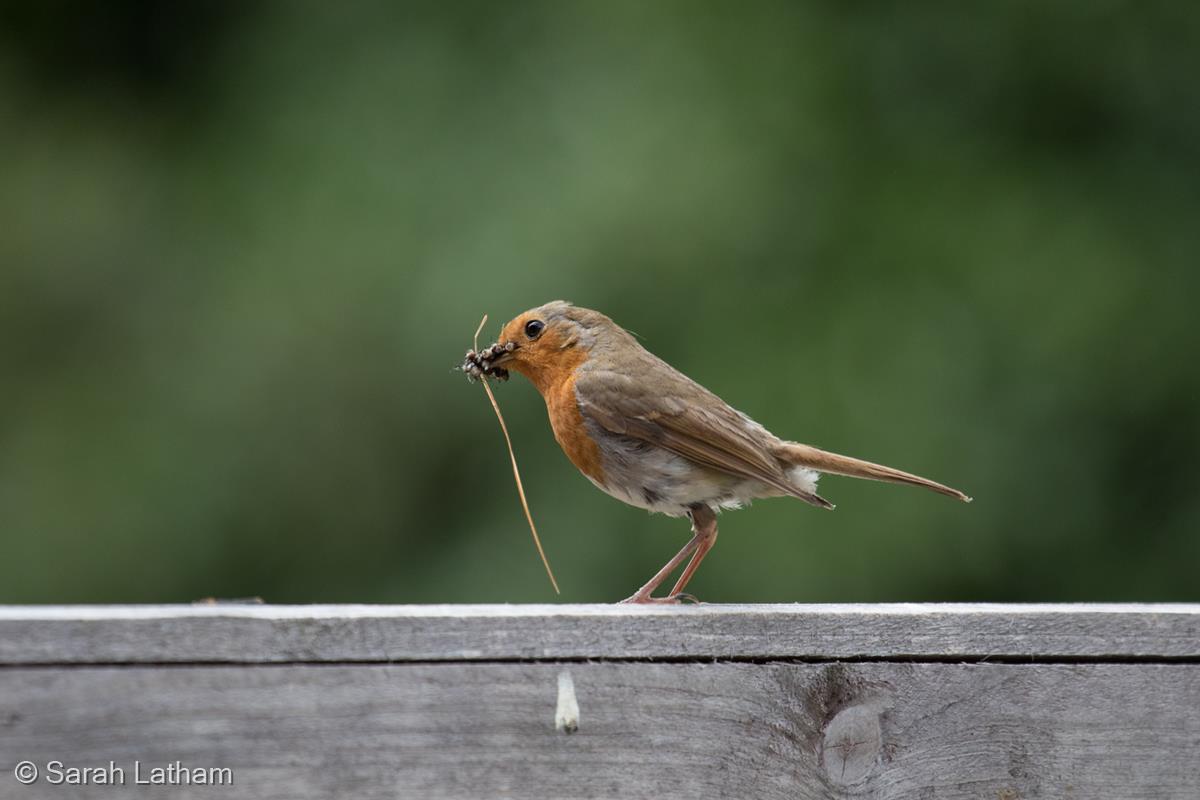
{"x": 677, "y": 414}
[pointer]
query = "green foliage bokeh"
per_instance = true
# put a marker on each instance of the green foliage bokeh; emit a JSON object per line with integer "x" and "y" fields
{"x": 241, "y": 247}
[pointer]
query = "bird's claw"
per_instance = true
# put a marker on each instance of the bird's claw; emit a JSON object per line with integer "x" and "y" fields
{"x": 671, "y": 600}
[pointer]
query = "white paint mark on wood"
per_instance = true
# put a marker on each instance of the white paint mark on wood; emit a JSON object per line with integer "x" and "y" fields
{"x": 566, "y": 715}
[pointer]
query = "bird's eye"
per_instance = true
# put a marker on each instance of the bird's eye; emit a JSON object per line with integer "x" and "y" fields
{"x": 533, "y": 328}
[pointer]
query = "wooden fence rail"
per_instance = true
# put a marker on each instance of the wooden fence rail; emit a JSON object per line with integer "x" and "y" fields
{"x": 707, "y": 701}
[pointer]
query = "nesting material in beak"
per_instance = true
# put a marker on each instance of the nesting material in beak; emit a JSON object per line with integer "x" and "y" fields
{"x": 480, "y": 366}
{"x": 484, "y": 362}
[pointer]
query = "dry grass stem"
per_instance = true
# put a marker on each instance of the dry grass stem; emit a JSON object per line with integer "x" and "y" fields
{"x": 516, "y": 472}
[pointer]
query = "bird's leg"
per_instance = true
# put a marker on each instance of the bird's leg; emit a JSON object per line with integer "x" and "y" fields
{"x": 704, "y": 523}
{"x": 642, "y": 595}
{"x": 704, "y": 533}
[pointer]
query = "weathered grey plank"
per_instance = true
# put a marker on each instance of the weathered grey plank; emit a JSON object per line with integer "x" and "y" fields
{"x": 645, "y": 730}
{"x": 251, "y": 634}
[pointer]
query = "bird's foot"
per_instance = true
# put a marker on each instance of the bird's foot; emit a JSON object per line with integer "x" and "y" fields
{"x": 672, "y": 600}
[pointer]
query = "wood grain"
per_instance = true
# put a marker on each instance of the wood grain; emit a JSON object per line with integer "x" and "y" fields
{"x": 388, "y": 634}
{"x": 881, "y": 701}
{"x": 645, "y": 730}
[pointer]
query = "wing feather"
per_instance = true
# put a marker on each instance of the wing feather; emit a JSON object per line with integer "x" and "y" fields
{"x": 684, "y": 418}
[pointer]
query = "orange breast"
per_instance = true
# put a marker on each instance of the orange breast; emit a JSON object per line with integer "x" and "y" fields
{"x": 567, "y": 423}
{"x": 551, "y": 369}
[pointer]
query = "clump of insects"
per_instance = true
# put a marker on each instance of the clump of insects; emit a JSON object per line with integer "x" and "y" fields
{"x": 477, "y": 365}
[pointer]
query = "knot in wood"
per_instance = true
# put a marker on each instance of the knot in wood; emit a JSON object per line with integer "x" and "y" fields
{"x": 851, "y": 744}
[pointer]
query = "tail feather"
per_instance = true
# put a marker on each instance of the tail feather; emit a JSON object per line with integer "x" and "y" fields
{"x": 802, "y": 455}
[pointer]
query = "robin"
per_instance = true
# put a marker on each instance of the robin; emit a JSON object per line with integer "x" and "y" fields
{"x": 650, "y": 436}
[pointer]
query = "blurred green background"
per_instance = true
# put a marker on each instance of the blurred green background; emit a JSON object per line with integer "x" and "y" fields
{"x": 242, "y": 245}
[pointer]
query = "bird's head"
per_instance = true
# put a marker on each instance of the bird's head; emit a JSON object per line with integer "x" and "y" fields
{"x": 545, "y": 344}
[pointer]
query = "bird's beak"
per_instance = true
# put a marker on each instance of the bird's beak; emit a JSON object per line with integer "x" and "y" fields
{"x": 503, "y": 356}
